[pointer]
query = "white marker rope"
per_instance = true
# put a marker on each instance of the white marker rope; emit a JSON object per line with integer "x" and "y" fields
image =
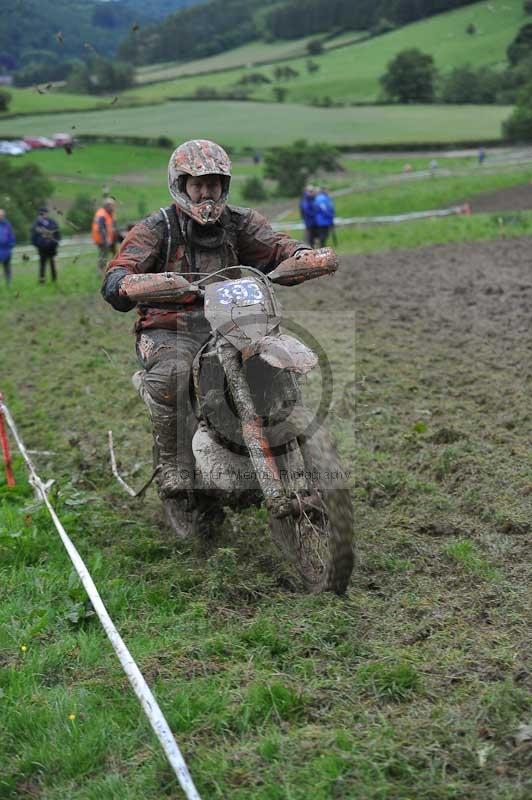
{"x": 135, "y": 677}
{"x": 438, "y": 212}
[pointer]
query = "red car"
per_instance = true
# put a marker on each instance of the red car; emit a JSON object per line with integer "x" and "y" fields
{"x": 38, "y": 142}
{"x": 61, "y": 139}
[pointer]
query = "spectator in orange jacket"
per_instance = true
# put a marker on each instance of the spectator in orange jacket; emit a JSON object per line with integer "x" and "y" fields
{"x": 104, "y": 233}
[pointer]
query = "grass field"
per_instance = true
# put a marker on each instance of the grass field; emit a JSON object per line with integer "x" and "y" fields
{"x": 245, "y": 56}
{"x": 348, "y": 74}
{"x": 136, "y": 177}
{"x": 433, "y": 231}
{"x": 33, "y": 101}
{"x": 259, "y": 125}
{"x": 427, "y": 194}
{"x": 351, "y": 74}
{"x": 414, "y": 686}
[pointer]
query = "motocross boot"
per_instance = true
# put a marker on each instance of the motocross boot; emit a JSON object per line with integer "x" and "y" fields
{"x": 175, "y": 478}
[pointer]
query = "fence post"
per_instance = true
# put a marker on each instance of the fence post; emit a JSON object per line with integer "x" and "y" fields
{"x": 5, "y": 448}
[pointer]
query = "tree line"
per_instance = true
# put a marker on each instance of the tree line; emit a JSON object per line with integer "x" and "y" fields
{"x": 218, "y": 25}
{"x": 299, "y": 18}
{"x": 412, "y": 77}
{"x": 41, "y": 40}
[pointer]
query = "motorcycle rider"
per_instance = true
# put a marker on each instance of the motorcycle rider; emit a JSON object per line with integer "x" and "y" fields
{"x": 198, "y": 234}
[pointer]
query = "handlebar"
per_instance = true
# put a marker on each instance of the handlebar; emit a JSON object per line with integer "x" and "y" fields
{"x": 172, "y": 287}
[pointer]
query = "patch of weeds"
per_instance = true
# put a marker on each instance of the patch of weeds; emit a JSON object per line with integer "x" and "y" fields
{"x": 236, "y": 576}
{"x": 502, "y": 705}
{"x": 189, "y": 580}
{"x": 466, "y": 554}
{"x": 389, "y": 681}
{"x": 441, "y": 528}
{"x": 197, "y": 702}
{"x": 343, "y": 741}
{"x": 263, "y": 635}
{"x": 222, "y": 572}
{"x": 512, "y": 525}
{"x": 396, "y": 483}
{"x": 78, "y": 607}
{"x": 427, "y": 487}
{"x": 389, "y": 563}
{"x": 18, "y": 493}
{"x": 24, "y": 537}
{"x": 439, "y": 504}
{"x": 269, "y": 748}
{"x": 472, "y": 501}
{"x": 270, "y": 702}
{"x": 515, "y": 220}
{"x": 386, "y": 486}
{"x": 222, "y": 646}
{"x": 419, "y": 427}
{"x": 446, "y": 436}
{"x": 446, "y": 462}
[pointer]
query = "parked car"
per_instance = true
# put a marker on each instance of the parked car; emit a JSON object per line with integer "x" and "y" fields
{"x": 61, "y": 139}
{"x": 10, "y": 149}
{"x": 21, "y": 143}
{"x": 38, "y": 142}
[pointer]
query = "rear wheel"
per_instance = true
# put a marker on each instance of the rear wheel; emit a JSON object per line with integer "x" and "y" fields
{"x": 319, "y": 540}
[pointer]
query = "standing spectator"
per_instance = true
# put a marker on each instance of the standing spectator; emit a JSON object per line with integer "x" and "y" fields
{"x": 7, "y": 243}
{"x": 104, "y": 233}
{"x": 306, "y": 207}
{"x": 481, "y": 155}
{"x": 433, "y": 166}
{"x": 45, "y": 235}
{"x": 323, "y": 215}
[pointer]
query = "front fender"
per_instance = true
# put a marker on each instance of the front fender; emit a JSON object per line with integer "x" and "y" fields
{"x": 283, "y": 352}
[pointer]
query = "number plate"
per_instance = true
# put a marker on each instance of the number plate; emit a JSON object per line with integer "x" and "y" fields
{"x": 244, "y": 292}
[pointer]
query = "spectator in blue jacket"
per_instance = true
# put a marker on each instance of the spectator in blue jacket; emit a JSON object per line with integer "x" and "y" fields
{"x": 7, "y": 243}
{"x": 323, "y": 215}
{"x": 306, "y": 207}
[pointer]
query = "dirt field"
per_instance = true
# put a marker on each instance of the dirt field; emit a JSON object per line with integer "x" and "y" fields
{"x": 517, "y": 198}
{"x": 458, "y": 294}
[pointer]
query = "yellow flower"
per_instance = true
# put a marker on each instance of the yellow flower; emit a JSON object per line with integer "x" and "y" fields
{"x": 23, "y": 647}
{"x": 72, "y": 717}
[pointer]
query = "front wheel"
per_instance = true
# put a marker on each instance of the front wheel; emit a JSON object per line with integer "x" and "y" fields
{"x": 319, "y": 540}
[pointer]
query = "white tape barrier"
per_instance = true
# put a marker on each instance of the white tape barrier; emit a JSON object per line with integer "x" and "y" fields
{"x": 495, "y": 167}
{"x": 395, "y": 218}
{"x": 277, "y": 226}
{"x": 135, "y": 677}
{"x": 25, "y": 253}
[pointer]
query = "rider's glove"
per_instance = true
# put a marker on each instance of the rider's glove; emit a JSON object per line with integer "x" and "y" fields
{"x": 304, "y": 265}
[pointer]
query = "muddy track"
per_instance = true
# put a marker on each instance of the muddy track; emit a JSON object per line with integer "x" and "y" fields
{"x": 515, "y": 198}
{"x": 481, "y": 289}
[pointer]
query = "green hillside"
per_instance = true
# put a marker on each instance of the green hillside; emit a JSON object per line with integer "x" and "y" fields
{"x": 29, "y": 28}
{"x": 348, "y": 74}
{"x": 245, "y": 56}
{"x": 264, "y": 124}
{"x": 351, "y": 74}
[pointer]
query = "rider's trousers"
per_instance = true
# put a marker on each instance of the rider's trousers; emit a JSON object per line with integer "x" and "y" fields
{"x": 167, "y": 357}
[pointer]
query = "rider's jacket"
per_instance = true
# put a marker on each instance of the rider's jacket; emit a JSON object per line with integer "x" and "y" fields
{"x": 168, "y": 241}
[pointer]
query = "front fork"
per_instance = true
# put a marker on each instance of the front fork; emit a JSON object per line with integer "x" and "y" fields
{"x": 260, "y": 453}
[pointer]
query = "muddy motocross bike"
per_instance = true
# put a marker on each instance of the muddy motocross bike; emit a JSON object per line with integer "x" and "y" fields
{"x": 254, "y": 441}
